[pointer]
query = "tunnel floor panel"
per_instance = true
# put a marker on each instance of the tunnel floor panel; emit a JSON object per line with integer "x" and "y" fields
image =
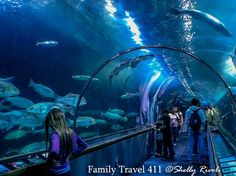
{"x": 177, "y": 166}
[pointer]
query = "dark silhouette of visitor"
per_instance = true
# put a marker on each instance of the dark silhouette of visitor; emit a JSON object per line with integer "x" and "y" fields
{"x": 167, "y": 137}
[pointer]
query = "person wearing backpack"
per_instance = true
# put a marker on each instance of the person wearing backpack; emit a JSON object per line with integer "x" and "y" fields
{"x": 195, "y": 120}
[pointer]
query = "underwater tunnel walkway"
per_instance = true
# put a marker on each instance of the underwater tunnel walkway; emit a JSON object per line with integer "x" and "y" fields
{"x": 135, "y": 149}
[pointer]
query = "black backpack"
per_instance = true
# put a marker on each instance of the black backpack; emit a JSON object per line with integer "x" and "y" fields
{"x": 195, "y": 121}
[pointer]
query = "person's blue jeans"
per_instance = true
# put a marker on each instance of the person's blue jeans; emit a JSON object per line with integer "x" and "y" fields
{"x": 174, "y": 132}
{"x": 195, "y": 142}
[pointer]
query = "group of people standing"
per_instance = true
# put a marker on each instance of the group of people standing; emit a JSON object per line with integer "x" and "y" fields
{"x": 64, "y": 142}
{"x": 172, "y": 122}
{"x": 167, "y": 131}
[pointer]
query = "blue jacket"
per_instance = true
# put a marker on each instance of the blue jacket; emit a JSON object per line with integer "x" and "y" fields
{"x": 201, "y": 113}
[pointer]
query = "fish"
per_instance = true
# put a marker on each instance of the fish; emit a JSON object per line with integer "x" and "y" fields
{"x": 40, "y": 108}
{"x": 116, "y": 111}
{"x": 117, "y": 127}
{"x": 8, "y": 79}
{"x": 47, "y": 43}
{"x": 16, "y": 134}
{"x": 36, "y": 146}
{"x": 124, "y": 119}
{"x": 83, "y": 78}
{"x": 4, "y": 124}
{"x": 27, "y": 122}
{"x": 204, "y": 17}
{"x": 101, "y": 122}
{"x": 19, "y": 102}
{"x": 133, "y": 62}
{"x": 70, "y": 100}
{"x": 111, "y": 116}
{"x": 42, "y": 90}
{"x": 130, "y": 95}
{"x": 13, "y": 115}
{"x": 85, "y": 121}
{"x": 7, "y": 89}
{"x": 131, "y": 114}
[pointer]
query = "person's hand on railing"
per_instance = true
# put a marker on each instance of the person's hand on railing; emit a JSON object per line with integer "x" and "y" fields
{"x": 153, "y": 126}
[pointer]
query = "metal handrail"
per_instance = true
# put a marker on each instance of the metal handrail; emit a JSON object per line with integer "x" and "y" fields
{"x": 93, "y": 148}
{"x": 216, "y": 162}
{"x": 16, "y": 157}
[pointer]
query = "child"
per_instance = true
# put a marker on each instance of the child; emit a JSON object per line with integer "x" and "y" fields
{"x": 159, "y": 139}
{"x": 63, "y": 143}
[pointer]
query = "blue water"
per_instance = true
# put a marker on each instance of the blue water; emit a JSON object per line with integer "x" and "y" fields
{"x": 89, "y": 32}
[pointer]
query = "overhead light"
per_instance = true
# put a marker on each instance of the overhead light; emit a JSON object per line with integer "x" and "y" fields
{"x": 110, "y": 8}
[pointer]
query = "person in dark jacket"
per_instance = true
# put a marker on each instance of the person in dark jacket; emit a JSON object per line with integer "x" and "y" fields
{"x": 167, "y": 136}
{"x": 63, "y": 143}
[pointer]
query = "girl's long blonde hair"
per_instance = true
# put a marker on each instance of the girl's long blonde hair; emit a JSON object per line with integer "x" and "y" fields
{"x": 57, "y": 121}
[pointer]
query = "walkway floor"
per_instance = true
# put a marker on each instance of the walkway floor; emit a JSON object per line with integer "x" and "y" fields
{"x": 177, "y": 166}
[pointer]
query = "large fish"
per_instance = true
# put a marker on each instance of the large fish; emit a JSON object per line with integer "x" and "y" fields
{"x": 37, "y": 146}
{"x": 13, "y": 115}
{"x": 19, "y": 102}
{"x": 83, "y": 78}
{"x": 7, "y": 89}
{"x": 85, "y": 121}
{"x": 111, "y": 116}
{"x": 206, "y": 17}
{"x": 129, "y": 95}
{"x": 40, "y": 108}
{"x": 42, "y": 89}
{"x": 27, "y": 122}
{"x": 48, "y": 43}
{"x": 101, "y": 122}
{"x": 128, "y": 63}
{"x": 116, "y": 111}
{"x": 123, "y": 119}
{"x": 70, "y": 100}
{"x": 16, "y": 134}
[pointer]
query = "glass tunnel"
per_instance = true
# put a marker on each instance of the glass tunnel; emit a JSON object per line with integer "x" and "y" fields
{"x": 113, "y": 67}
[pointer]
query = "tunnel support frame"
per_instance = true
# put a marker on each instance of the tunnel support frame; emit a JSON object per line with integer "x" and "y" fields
{"x": 147, "y": 47}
